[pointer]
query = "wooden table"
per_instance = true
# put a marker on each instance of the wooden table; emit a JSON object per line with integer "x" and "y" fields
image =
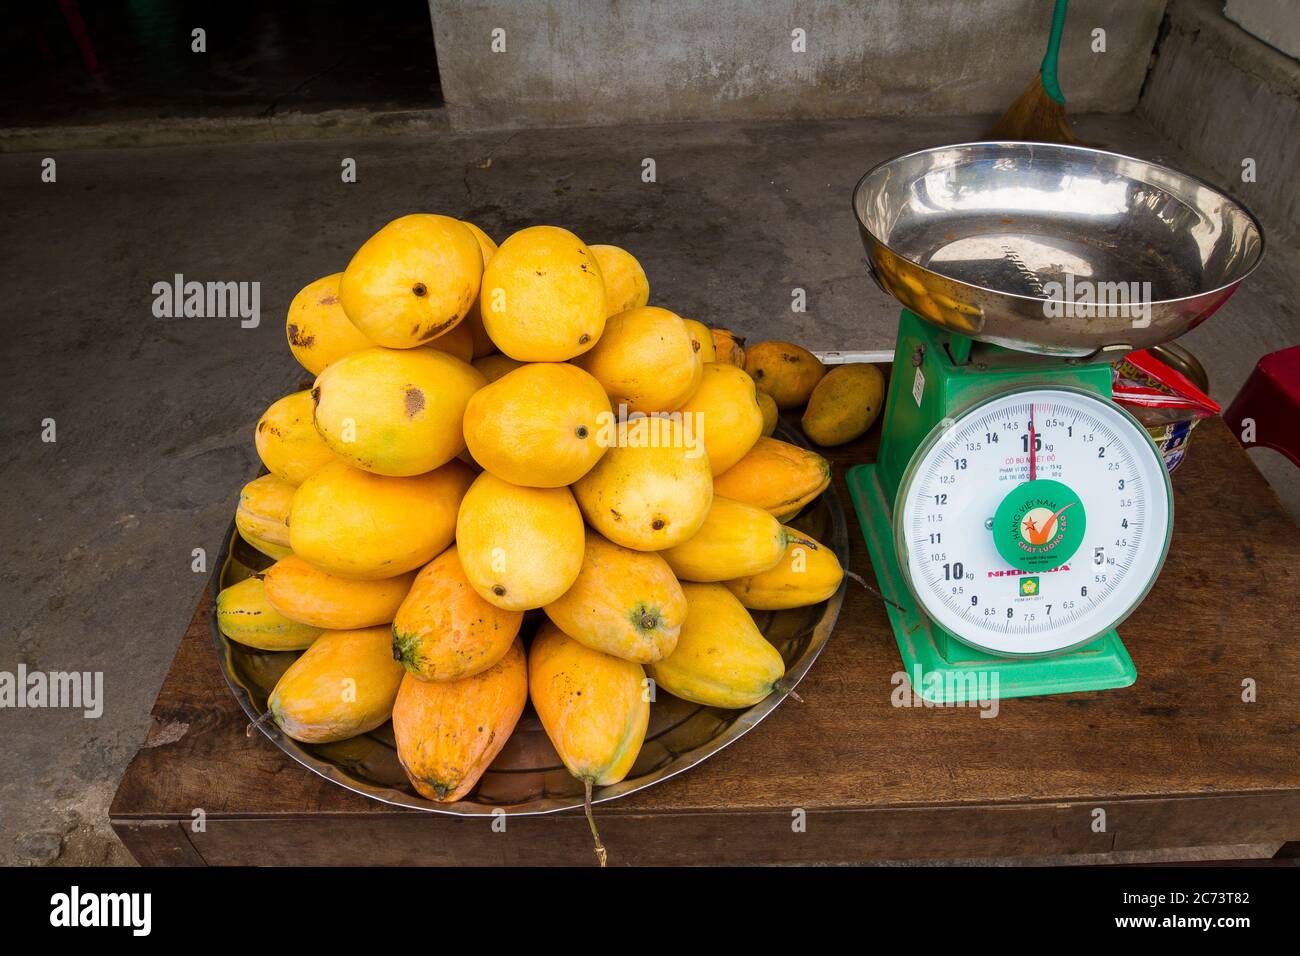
{"x": 1177, "y": 760}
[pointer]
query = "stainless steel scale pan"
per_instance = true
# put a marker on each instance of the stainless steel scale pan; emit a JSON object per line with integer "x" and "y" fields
{"x": 1005, "y": 242}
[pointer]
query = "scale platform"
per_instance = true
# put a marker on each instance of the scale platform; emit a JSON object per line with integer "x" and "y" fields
{"x": 941, "y": 668}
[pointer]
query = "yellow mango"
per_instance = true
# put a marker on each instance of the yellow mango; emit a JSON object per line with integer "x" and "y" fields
{"x": 342, "y": 686}
{"x": 520, "y": 547}
{"x": 543, "y": 296}
{"x": 457, "y": 341}
{"x": 776, "y": 476}
{"x": 721, "y": 658}
{"x": 844, "y": 404}
{"x": 444, "y": 630}
{"x": 808, "y": 573}
{"x": 395, "y": 412}
{"x": 652, "y": 489}
{"x": 594, "y": 707}
{"x": 729, "y": 416}
{"x": 486, "y": 244}
{"x": 645, "y": 360}
{"x": 771, "y": 414}
{"x": 702, "y": 340}
{"x": 245, "y": 616}
{"x": 496, "y": 365}
{"x": 626, "y": 285}
{"x": 359, "y": 525}
{"x": 412, "y": 280}
{"x": 287, "y": 441}
{"x": 483, "y": 344}
{"x": 318, "y": 329}
{"x": 538, "y": 425}
{"x": 728, "y": 347}
{"x": 263, "y": 514}
{"x": 785, "y": 371}
{"x": 303, "y": 593}
{"x": 449, "y": 732}
{"x": 468, "y": 459}
{"x": 625, "y": 603}
{"x": 735, "y": 540}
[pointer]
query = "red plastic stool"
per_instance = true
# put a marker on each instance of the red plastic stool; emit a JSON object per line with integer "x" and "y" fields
{"x": 1271, "y": 399}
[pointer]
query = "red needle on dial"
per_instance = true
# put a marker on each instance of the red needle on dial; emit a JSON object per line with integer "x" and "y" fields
{"x": 1033, "y": 446}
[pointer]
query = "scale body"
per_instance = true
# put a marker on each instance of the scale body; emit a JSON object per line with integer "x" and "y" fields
{"x": 939, "y": 376}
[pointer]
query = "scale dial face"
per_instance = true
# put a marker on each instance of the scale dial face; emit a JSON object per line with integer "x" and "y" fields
{"x": 1021, "y": 566}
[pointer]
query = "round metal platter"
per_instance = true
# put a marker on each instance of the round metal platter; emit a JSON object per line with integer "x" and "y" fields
{"x": 528, "y": 777}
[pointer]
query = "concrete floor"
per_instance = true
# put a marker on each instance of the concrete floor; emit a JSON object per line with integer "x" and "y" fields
{"x": 154, "y": 416}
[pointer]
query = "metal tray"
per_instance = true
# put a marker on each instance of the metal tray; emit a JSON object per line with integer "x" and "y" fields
{"x": 527, "y": 777}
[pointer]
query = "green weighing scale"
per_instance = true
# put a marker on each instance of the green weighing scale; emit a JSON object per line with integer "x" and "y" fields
{"x": 1015, "y": 515}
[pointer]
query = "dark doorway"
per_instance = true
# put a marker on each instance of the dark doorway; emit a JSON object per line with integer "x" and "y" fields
{"x": 86, "y": 61}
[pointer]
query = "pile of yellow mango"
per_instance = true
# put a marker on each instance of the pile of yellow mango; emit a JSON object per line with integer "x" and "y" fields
{"x": 494, "y": 430}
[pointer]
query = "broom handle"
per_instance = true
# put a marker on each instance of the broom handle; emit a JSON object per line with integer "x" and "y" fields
{"x": 1053, "y": 54}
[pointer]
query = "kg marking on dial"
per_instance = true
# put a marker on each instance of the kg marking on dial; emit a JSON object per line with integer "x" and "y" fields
{"x": 1034, "y": 522}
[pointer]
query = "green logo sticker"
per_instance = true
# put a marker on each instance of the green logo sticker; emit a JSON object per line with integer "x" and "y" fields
{"x": 1039, "y": 526}
{"x": 1028, "y": 587}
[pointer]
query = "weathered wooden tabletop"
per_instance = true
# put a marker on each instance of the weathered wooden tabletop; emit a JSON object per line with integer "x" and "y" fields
{"x": 1177, "y": 760}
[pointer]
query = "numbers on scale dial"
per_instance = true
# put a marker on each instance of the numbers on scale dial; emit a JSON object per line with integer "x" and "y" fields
{"x": 955, "y": 488}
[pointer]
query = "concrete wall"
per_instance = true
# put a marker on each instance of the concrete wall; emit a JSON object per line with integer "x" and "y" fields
{"x": 1274, "y": 21}
{"x": 591, "y": 62}
{"x": 1224, "y": 97}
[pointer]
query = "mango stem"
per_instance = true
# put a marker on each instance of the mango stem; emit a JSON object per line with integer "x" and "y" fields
{"x": 254, "y": 724}
{"x": 862, "y": 581}
{"x": 785, "y": 687}
{"x": 591, "y": 822}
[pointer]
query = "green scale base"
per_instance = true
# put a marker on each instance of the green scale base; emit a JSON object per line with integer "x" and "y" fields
{"x": 940, "y": 667}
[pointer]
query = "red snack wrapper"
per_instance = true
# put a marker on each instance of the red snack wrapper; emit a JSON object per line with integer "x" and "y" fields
{"x": 1157, "y": 394}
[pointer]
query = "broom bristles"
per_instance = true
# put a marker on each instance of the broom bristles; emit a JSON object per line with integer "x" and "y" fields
{"x": 1036, "y": 117}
